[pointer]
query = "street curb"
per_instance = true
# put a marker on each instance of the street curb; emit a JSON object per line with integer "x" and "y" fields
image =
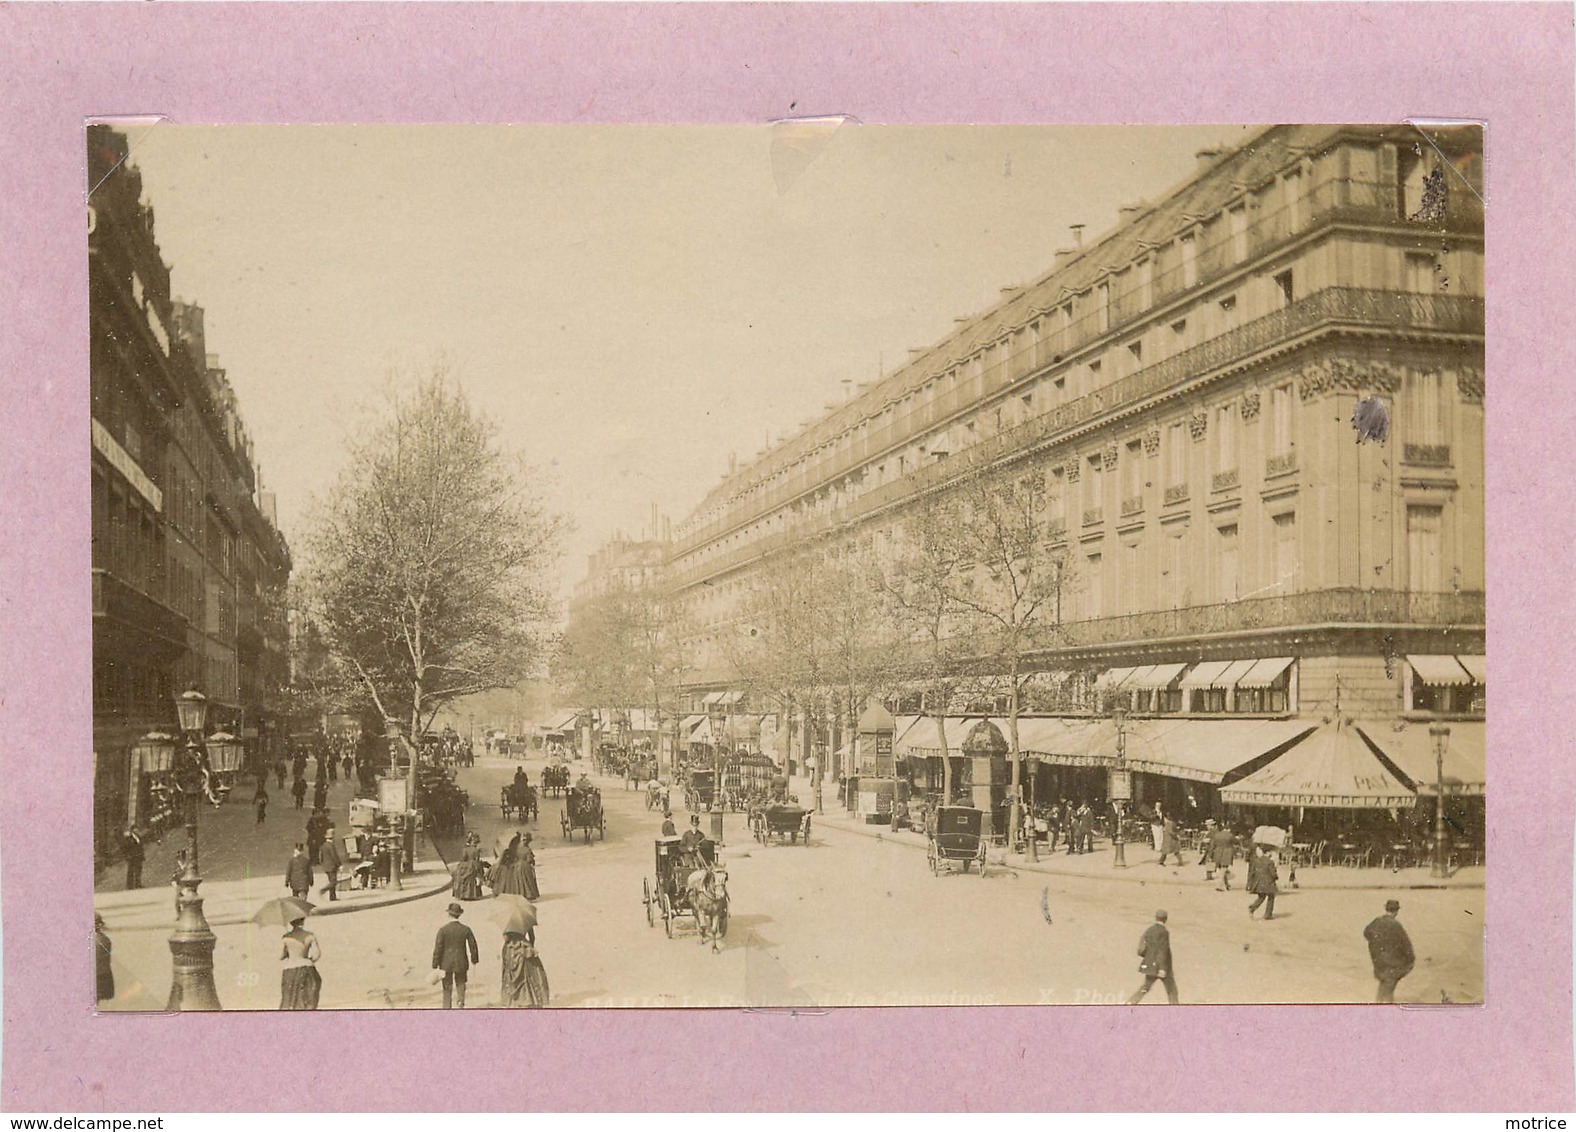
{"x": 1129, "y": 878}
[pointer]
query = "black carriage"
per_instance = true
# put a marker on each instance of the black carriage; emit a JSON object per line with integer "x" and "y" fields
{"x": 518, "y": 801}
{"x": 700, "y": 790}
{"x": 583, "y": 811}
{"x": 782, "y": 820}
{"x": 555, "y": 780}
{"x": 956, "y": 838}
{"x": 666, "y": 893}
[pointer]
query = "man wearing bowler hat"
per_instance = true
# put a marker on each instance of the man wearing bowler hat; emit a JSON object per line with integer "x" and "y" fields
{"x": 1390, "y": 948}
{"x": 453, "y": 953}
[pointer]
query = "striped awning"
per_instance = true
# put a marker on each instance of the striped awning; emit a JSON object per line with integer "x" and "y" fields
{"x": 1265, "y": 672}
{"x": 1114, "y": 677}
{"x": 1156, "y": 676}
{"x": 1477, "y": 666}
{"x": 1205, "y": 674}
{"x": 1205, "y": 750}
{"x": 1439, "y": 671}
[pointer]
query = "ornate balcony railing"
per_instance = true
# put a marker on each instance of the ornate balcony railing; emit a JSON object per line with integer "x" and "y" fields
{"x": 1464, "y": 609}
{"x": 1331, "y": 307}
{"x": 1132, "y": 505}
{"x": 1283, "y": 464}
{"x": 1093, "y": 516}
{"x": 1176, "y": 493}
{"x": 1224, "y": 481}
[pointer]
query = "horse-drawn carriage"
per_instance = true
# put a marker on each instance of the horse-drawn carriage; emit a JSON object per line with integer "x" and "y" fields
{"x": 657, "y": 795}
{"x": 688, "y": 882}
{"x": 518, "y": 800}
{"x": 956, "y": 838}
{"x": 555, "y": 780}
{"x": 782, "y": 820}
{"x": 583, "y": 811}
{"x": 700, "y": 790}
{"x": 639, "y": 770}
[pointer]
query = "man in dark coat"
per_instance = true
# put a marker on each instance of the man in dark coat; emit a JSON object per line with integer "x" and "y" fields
{"x": 320, "y": 794}
{"x": 668, "y": 828}
{"x": 1390, "y": 948}
{"x": 134, "y": 854}
{"x": 279, "y": 773}
{"x": 332, "y": 861}
{"x": 298, "y": 791}
{"x": 298, "y": 873}
{"x": 1154, "y": 950}
{"x": 453, "y": 953}
{"x": 1169, "y": 842}
{"x": 1222, "y": 854}
{"x": 1263, "y": 878}
{"x": 316, "y": 827}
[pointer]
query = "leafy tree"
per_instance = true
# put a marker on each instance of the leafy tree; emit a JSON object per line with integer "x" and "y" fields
{"x": 430, "y": 556}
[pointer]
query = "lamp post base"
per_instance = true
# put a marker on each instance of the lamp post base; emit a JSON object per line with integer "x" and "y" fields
{"x": 191, "y": 948}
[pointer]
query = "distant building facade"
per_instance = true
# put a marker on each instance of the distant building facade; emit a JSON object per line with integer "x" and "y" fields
{"x": 1181, "y": 394}
{"x": 188, "y": 566}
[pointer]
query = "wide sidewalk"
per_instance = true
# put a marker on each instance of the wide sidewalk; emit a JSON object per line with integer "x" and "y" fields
{"x": 1143, "y": 862}
{"x": 243, "y": 865}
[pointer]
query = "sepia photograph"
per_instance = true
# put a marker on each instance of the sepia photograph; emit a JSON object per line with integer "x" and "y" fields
{"x": 803, "y": 565}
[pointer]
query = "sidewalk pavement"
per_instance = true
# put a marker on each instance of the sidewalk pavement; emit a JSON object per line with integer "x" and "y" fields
{"x": 228, "y": 902}
{"x": 1142, "y": 861}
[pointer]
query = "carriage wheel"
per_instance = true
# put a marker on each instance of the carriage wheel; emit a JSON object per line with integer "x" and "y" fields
{"x": 645, "y": 886}
{"x": 667, "y": 915}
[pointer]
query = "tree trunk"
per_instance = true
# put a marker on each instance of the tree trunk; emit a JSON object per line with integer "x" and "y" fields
{"x": 1015, "y": 812}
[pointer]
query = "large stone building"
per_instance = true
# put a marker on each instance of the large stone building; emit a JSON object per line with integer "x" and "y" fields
{"x": 1182, "y": 392}
{"x": 188, "y": 565}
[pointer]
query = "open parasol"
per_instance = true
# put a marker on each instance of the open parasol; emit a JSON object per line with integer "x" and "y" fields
{"x": 516, "y": 913}
{"x": 284, "y": 911}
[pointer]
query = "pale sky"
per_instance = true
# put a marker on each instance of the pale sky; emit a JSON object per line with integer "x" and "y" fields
{"x": 629, "y": 303}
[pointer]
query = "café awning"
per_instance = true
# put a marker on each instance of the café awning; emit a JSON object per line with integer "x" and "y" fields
{"x": 923, "y": 739}
{"x": 1265, "y": 672}
{"x": 1333, "y": 768}
{"x": 1411, "y": 750}
{"x": 1206, "y": 750}
{"x": 1477, "y": 666}
{"x": 703, "y": 732}
{"x": 728, "y": 699}
{"x": 710, "y": 699}
{"x": 1439, "y": 671}
{"x": 690, "y": 723}
{"x": 1069, "y": 742}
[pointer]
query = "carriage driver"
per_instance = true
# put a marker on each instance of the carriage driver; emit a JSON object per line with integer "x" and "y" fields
{"x": 692, "y": 840}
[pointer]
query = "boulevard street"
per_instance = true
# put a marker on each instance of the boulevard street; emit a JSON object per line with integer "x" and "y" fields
{"x": 850, "y": 920}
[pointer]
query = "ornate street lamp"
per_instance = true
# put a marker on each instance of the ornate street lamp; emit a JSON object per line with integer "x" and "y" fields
{"x": 191, "y": 945}
{"x": 1121, "y": 789}
{"x": 1440, "y": 734}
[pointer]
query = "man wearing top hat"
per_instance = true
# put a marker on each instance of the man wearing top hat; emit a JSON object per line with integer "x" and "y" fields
{"x": 453, "y": 953}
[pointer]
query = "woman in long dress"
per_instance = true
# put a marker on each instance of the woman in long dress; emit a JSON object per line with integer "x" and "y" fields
{"x": 509, "y": 874}
{"x": 524, "y": 977}
{"x": 528, "y": 868}
{"x": 468, "y": 874}
{"x": 301, "y": 984}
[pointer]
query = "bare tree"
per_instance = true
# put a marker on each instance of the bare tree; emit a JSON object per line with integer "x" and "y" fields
{"x": 430, "y": 557}
{"x": 1002, "y": 578}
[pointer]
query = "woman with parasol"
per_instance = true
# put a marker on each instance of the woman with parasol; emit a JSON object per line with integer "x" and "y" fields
{"x": 300, "y": 984}
{"x": 524, "y": 977}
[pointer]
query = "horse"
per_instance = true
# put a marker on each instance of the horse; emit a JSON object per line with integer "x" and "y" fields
{"x": 708, "y": 896}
